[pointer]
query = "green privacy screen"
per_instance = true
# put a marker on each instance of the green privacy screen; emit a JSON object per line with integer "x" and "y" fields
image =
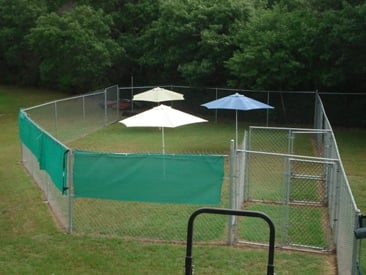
{"x": 50, "y": 154}
{"x": 188, "y": 179}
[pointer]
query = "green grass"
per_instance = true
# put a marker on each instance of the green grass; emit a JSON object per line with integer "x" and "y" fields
{"x": 143, "y": 220}
{"x": 303, "y": 227}
{"x": 195, "y": 138}
{"x": 31, "y": 242}
{"x": 352, "y": 147}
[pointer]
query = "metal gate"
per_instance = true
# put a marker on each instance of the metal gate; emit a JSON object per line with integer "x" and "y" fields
{"x": 306, "y": 199}
{"x": 281, "y": 172}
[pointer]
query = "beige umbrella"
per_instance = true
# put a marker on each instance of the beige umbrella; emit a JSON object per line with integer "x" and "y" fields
{"x": 158, "y": 95}
{"x": 161, "y": 116}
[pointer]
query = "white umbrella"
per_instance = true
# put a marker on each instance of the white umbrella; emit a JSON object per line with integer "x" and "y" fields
{"x": 161, "y": 116}
{"x": 158, "y": 95}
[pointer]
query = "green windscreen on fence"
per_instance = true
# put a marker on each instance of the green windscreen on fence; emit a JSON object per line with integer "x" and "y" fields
{"x": 188, "y": 179}
{"x": 50, "y": 154}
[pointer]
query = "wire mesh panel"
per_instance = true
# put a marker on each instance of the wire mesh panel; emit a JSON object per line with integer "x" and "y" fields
{"x": 344, "y": 232}
{"x": 292, "y": 189}
{"x": 71, "y": 118}
{"x": 293, "y": 175}
{"x": 147, "y": 221}
{"x": 80, "y": 115}
{"x": 265, "y": 177}
{"x": 307, "y": 183}
{"x": 307, "y": 196}
{"x": 58, "y": 202}
{"x": 62, "y": 119}
{"x": 268, "y": 139}
{"x": 343, "y": 211}
{"x": 297, "y": 204}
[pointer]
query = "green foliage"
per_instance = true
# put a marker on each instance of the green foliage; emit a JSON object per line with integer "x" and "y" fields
{"x": 295, "y": 46}
{"x": 75, "y": 48}
{"x": 272, "y": 50}
{"x": 342, "y": 39}
{"x": 77, "y": 45}
{"x": 190, "y": 41}
{"x": 16, "y": 18}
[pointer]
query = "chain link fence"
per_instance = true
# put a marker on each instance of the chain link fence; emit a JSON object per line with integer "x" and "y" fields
{"x": 71, "y": 118}
{"x": 58, "y": 202}
{"x": 66, "y": 120}
{"x": 290, "y": 187}
{"x": 294, "y": 175}
{"x": 343, "y": 211}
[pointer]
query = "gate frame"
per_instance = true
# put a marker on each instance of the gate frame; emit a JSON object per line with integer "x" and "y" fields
{"x": 238, "y": 176}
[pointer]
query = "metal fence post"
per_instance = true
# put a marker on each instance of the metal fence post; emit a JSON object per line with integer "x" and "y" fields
{"x": 231, "y": 219}
{"x": 106, "y": 107}
{"x": 118, "y": 102}
{"x": 56, "y": 120}
{"x": 70, "y": 185}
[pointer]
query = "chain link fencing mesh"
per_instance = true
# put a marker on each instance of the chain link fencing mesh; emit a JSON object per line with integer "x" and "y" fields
{"x": 59, "y": 203}
{"x": 307, "y": 196}
{"x": 296, "y": 176}
{"x": 343, "y": 210}
{"x": 290, "y": 188}
{"x": 74, "y": 117}
{"x": 66, "y": 120}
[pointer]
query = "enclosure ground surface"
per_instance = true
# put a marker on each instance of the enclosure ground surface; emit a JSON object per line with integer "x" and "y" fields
{"x": 32, "y": 243}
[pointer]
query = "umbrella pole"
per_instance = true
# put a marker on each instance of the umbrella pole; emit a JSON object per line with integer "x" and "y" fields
{"x": 163, "y": 141}
{"x": 236, "y": 128}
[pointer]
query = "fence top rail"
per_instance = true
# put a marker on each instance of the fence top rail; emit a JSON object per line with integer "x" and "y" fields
{"x": 305, "y": 130}
{"x": 110, "y": 87}
{"x": 349, "y": 190}
{"x": 338, "y": 154}
{"x": 63, "y": 99}
{"x": 290, "y": 156}
{"x": 47, "y": 133}
{"x": 213, "y": 88}
{"x": 312, "y": 160}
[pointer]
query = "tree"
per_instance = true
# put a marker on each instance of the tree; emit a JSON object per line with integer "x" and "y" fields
{"x": 293, "y": 48}
{"x": 273, "y": 51}
{"x": 75, "y": 48}
{"x": 190, "y": 40}
{"x": 342, "y": 39}
{"x": 131, "y": 22}
{"x": 16, "y": 19}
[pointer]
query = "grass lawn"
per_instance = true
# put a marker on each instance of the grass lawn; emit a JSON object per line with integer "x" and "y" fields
{"x": 31, "y": 242}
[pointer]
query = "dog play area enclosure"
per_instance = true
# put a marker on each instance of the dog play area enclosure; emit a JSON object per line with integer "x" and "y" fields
{"x": 293, "y": 174}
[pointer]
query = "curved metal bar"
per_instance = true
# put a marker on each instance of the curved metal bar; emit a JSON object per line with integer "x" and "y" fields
{"x": 224, "y": 211}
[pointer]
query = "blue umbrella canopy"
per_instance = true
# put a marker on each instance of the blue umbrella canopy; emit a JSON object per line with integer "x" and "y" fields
{"x": 236, "y": 102}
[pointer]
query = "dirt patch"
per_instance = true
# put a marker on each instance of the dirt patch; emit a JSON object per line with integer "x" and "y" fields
{"x": 330, "y": 264}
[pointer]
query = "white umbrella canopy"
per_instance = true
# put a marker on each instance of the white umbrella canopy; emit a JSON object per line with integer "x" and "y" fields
{"x": 161, "y": 116}
{"x": 158, "y": 95}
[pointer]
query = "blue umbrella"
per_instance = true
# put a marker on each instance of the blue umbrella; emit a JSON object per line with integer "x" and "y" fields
{"x": 236, "y": 102}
